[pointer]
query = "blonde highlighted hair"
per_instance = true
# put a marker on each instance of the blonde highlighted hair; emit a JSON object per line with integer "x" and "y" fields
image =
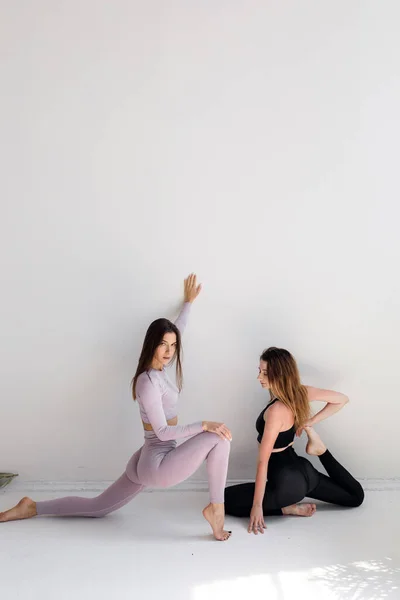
{"x": 284, "y": 383}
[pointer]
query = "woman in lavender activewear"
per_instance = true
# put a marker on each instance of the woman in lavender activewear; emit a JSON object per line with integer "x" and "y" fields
{"x": 159, "y": 462}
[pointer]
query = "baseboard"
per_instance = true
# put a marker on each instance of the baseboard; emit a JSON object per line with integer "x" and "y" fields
{"x": 21, "y": 486}
{"x": 390, "y": 484}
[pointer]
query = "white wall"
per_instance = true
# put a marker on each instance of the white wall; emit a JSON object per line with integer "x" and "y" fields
{"x": 253, "y": 142}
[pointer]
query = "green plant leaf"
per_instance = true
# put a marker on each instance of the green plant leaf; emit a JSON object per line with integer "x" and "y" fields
{"x": 6, "y": 478}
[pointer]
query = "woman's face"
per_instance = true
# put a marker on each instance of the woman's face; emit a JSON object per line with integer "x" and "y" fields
{"x": 262, "y": 374}
{"x": 165, "y": 351}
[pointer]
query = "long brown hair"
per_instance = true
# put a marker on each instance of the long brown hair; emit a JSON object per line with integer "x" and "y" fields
{"x": 152, "y": 340}
{"x": 284, "y": 381}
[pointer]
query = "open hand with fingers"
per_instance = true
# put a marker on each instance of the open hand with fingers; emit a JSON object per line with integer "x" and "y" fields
{"x": 191, "y": 288}
{"x": 218, "y": 428}
{"x": 256, "y": 524}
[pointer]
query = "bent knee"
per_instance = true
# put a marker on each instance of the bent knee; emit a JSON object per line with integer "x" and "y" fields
{"x": 359, "y": 497}
{"x": 216, "y": 439}
{"x": 224, "y": 446}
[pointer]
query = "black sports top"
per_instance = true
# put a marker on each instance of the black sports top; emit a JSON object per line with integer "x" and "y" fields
{"x": 284, "y": 438}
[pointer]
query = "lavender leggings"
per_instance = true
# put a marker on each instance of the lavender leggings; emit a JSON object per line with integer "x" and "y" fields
{"x": 156, "y": 464}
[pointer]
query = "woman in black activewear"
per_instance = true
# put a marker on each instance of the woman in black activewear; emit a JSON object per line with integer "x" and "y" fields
{"x": 291, "y": 477}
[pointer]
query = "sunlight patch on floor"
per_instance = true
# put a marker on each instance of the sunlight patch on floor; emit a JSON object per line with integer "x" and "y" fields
{"x": 361, "y": 580}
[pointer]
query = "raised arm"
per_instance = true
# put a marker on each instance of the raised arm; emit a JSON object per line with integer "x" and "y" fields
{"x": 191, "y": 290}
{"x": 274, "y": 420}
{"x": 183, "y": 316}
{"x": 149, "y": 397}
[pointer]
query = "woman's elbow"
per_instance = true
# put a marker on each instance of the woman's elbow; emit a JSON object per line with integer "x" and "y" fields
{"x": 162, "y": 435}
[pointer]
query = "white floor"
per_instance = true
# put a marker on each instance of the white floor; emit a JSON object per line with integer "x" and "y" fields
{"x": 159, "y": 547}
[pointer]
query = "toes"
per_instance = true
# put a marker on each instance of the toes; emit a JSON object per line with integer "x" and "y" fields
{"x": 311, "y": 509}
{"x": 225, "y": 535}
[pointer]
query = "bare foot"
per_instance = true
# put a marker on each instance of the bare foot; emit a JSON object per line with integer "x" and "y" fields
{"x": 300, "y": 510}
{"x": 25, "y": 509}
{"x": 215, "y": 515}
{"x": 315, "y": 445}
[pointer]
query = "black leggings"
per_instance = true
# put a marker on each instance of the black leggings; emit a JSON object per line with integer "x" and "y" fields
{"x": 290, "y": 479}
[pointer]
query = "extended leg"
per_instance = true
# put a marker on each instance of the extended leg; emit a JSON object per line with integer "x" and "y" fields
{"x": 118, "y": 494}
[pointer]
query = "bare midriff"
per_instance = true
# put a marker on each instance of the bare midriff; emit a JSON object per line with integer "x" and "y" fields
{"x": 170, "y": 422}
{"x": 281, "y": 449}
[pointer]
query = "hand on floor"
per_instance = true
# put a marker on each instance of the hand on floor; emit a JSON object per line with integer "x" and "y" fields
{"x": 256, "y": 523}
